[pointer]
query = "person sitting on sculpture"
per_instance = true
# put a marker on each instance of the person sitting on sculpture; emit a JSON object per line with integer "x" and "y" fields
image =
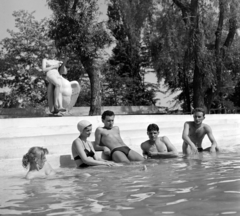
{"x": 54, "y": 69}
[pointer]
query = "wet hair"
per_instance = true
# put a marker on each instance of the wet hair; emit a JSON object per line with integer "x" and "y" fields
{"x": 32, "y": 155}
{"x": 152, "y": 127}
{"x": 199, "y": 109}
{"x": 107, "y": 113}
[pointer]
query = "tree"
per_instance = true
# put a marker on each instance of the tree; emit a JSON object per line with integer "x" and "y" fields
{"x": 76, "y": 31}
{"x": 125, "y": 72}
{"x": 123, "y": 91}
{"x": 196, "y": 61}
{"x": 222, "y": 46}
{"x": 167, "y": 43}
{"x": 21, "y": 56}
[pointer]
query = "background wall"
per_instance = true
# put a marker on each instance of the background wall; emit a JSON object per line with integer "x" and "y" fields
{"x": 17, "y": 135}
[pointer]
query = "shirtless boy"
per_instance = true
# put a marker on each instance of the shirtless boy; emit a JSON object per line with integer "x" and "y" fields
{"x": 194, "y": 132}
{"x": 157, "y": 147}
{"x": 108, "y": 140}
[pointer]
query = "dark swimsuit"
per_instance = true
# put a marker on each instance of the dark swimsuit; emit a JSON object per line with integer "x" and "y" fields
{"x": 200, "y": 149}
{"x": 123, "y": 149}
{"x": 88, "y": 153}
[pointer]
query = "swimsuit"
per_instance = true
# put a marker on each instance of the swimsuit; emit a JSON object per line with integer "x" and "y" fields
{"x": 123, "y": 149}
{"x": 88, "y": 153}
{"x": 200, "y": 149}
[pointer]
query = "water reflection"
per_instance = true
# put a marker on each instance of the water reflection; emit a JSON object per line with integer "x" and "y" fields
{"x": 207, "y": 185}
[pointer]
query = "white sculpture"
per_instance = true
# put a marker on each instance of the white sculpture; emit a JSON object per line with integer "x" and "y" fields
{"x": 62, "y": 94}
{"x": 69, "y": 94}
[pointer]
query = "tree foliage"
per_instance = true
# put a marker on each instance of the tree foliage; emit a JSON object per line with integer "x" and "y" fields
{"x": 191, "y": 47}
{"x": 76, "y": 31}
{"x": 192, "y": 44}
{"x": 125, "y": 72}
{"x": 21, "y": 56}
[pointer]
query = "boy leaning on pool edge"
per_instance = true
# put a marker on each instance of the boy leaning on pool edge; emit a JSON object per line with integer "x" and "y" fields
{"x": 194, "y": 132}
{"x": 157, "y": 147}
{"x": 108, "y": 140}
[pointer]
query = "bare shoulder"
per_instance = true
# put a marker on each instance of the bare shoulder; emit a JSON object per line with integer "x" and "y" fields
{"x": 99, "y": 129}
{"x": 145, "y": 144}
{"x": 75, "y": 142}
{"x": 116, "y": 129}
{"x": 207, "y": 127}
{"x": 29, "y": 176}
{"x": 48, "y": 169}
{"x": 164, "y": 139}
{"x": 189, "y": 123}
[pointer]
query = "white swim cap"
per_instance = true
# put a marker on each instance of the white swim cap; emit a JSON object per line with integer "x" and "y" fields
{"x": 83, "y": 124}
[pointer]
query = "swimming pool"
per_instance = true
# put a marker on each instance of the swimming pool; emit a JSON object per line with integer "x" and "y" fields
{"x": 198, "y": 186}
{"x": 206, "y": 185}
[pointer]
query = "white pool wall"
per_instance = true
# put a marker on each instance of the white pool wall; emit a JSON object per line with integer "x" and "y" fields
{"x": 56, "y": 134}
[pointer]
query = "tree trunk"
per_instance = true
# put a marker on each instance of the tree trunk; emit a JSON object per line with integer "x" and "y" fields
{"x": 185, "y": 81}
{"x": 198, "y": 99}
{"x": 93, "y": 70}
{"x": 187, "y": 95}
{"x": 195, "y": 47}
{"x": 209, "y": 94}
{"x": 190, "y": 13}
{"x": 220, "y": 50}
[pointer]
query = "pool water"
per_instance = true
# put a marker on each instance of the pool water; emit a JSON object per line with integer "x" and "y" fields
{"x": 206, "y": 185}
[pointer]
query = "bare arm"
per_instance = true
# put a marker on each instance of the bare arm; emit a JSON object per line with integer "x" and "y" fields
{"x": 211, "y": 137}
{"x": 98, "y": 135}
{"x": 186, "y": 138}
{"x": 97, "y": 145}
{"x": 46, "y": 68}
{"x": 31, "y": 175}
{"x": 144, "y": 152}
{"x": 172, "y": 151}
{"x": 96, "y": 157}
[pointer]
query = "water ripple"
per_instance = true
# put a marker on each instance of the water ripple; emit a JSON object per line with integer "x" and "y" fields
{"x": 140, "y": 197}
{"x": 177, "y": 201}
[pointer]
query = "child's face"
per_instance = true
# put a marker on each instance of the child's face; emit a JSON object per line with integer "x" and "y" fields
{"x": 198, "y": 117}
{"x": 153, "y": 135}
{"x": 108, "y": 121}
{"x": 87, "y": 131}
{"x": 41, "y": 159}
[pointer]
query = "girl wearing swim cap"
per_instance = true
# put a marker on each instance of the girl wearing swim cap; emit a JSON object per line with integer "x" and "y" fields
{"x": 82, "y": 150}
